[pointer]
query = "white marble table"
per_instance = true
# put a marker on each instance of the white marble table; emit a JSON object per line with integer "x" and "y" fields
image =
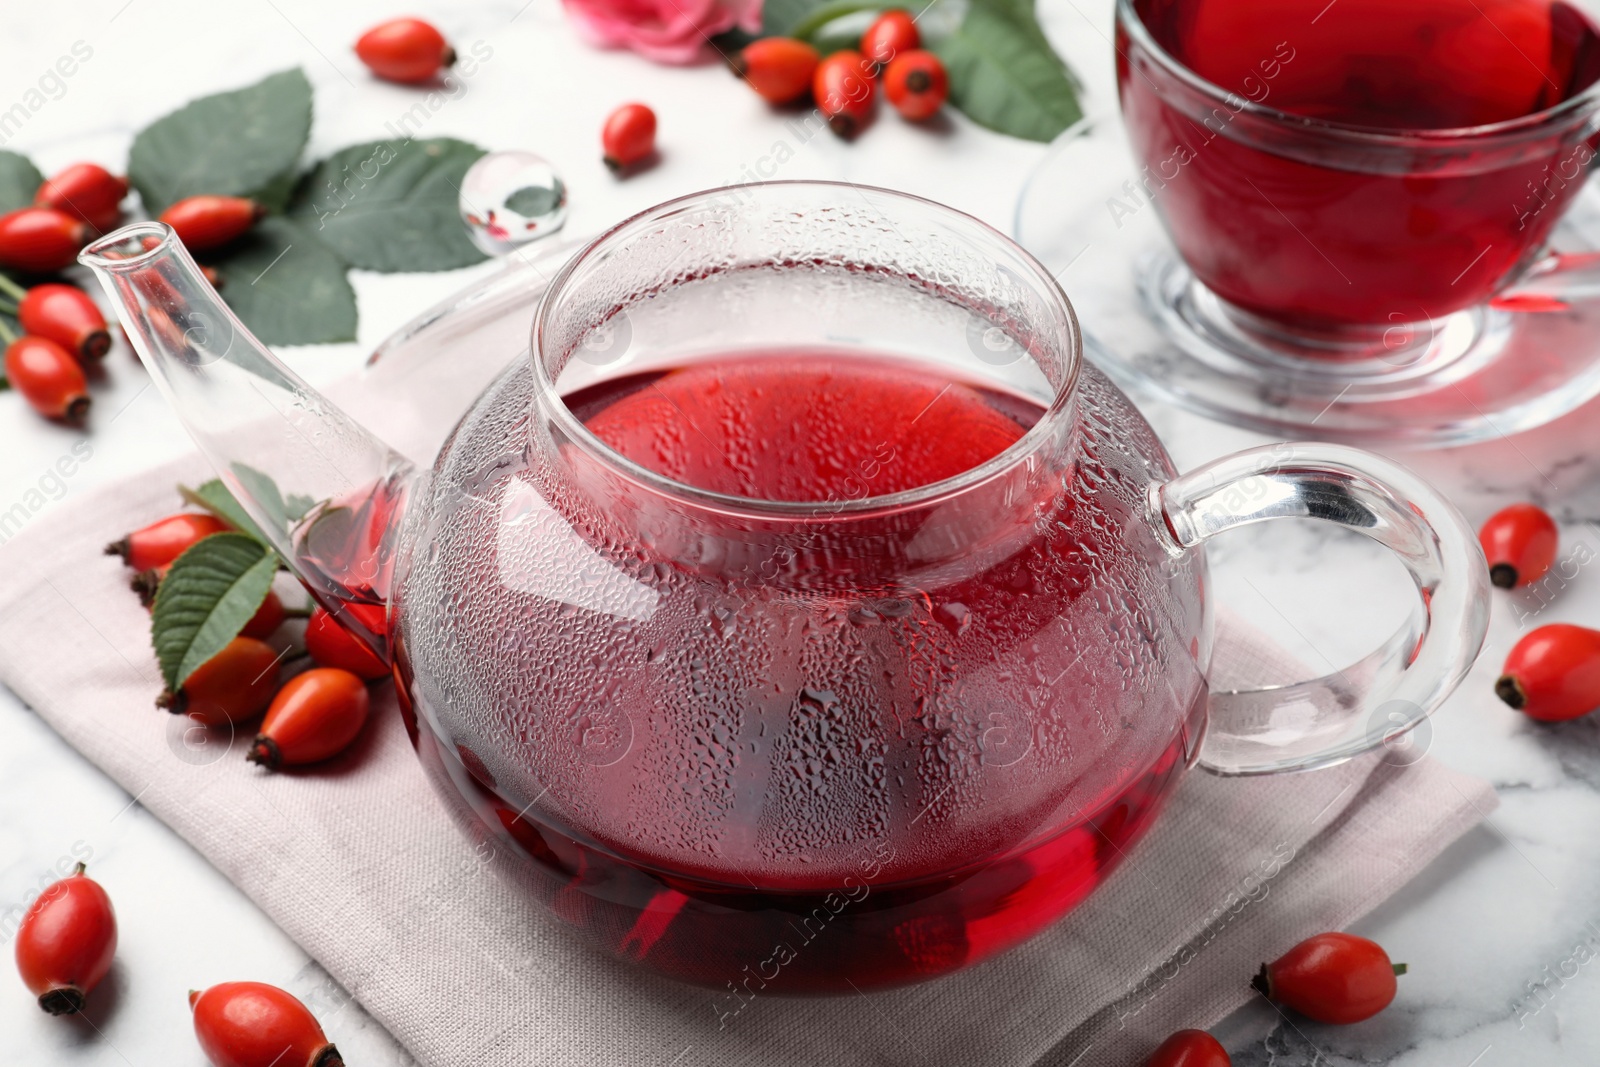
{"x": 1503, "y": 909}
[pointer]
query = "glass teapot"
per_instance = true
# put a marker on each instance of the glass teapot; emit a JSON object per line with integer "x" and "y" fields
{"x": 858, "y": 738}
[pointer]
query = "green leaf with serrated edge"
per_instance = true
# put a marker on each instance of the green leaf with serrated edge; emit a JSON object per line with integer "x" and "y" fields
{"x": 803, "y": 18}
{"x": 215, "y": 497}
{"x": 1004, "y": 74}
{"x": 391, "y": 205}
{"x": 19, "y": 181}
{"x": 288, "y": 287}
{"x": 239, "y": 143}
{"x": 537, "y": 200}
{"x": 212, "y": 590}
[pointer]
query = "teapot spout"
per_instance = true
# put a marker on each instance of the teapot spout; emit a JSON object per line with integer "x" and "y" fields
{"x": 321, "y": 489}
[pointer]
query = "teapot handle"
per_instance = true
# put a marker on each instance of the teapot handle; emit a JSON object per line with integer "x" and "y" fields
{"x": 1331, "y": 719}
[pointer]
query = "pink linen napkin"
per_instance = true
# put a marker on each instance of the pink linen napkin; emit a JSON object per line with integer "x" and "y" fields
{"x": 361, "y": 864}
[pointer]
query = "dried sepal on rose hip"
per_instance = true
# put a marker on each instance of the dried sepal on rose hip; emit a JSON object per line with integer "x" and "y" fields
{"x": 628, "y": 137}
{"x": 49, "y": 378}
{"x": 66, "y": 942}
{"x": 252, "y": 1024}
{"x": 1332, "y": 978}
{"x": 779, "y": 69}
{"x": 205, "y": 222}
{"x": 1190, "y": 1048}
{"x": 916, "y": 84}
{"x": 1520, "y": 544}
{"x": 314, "y": 717}
{"x": 230, "y": 687}
{"x": 164, "y": 540}
{"x": 409, "y": 51}
{"x": 1553, "y": 673}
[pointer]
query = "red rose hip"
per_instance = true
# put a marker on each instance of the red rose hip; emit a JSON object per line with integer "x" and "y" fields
{"x": 66, "y": 315}
{"x": 40, "y": 239}
{"x": 331, "y": 645}
{"x": 916, "y": 85}
{"x": 165, "y": 539}
{"x": 779, "y": 69}
{"x": 1553, "y": 673}
{"x": 1332, "y": 978}
{"x": 314, "y": 717}
{"x": 86, "y": 191}
{"x": 891, "y": 34}
{"x": 252, "y": 1024}
{"x": 844, "y": 89}
{"x": 230, "y": 687}
{"x": 1520, "y": 544}
{"x": 409, "y": 51}
{"x": 48, "y": 377}
{"x": 628, "y": 137}
{"x": 1190, "y": 1048}
{"x": 203, "y": 222}
{"x": 66, "y": 941}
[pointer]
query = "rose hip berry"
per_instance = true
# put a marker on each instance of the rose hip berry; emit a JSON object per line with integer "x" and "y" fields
{"x": 230, "y": 687}
{"x": 843, "y": 88}
{"x": 40, "y": 239}
{"x": 1520, "y": 544}
{"x": 86, "y": 191}
{"x": 1332, "y": 978}
{"x": 891, "y": 34}
{"x": 314, "y": 717}
{"x": 268, "y": 617}
{"x": 628, "y": 137}
{"x": 66, "y": 941}
{"x": 203, "y": 222}
{"x": 916, "y": 85}
{"x": 331, "y": 645}
{"x": 1553, "y": 673}
{"x": 48, "y": 378}
{"x": 405, "y": 50}
{"x": 1190, "y": 1048}
{"x": 252, "y": 1024}
{"x": 165, "y": 539}
{"x": 780, "y": 69}
{"x": 66, "y": 315}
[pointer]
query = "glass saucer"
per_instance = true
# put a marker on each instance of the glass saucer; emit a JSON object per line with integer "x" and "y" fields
{"x": 1478, "y": 374}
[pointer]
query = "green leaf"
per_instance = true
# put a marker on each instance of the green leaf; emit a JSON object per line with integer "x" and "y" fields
{"x": 215, "y": 497}
{"x": 1004, "y": 74}
{"x": 288, "y": 287}
{"x": 240, "y": 143}
{"x": 537, "y": 200}
{"x": 19, "y": 181}
{"x": 391, "y": 205}
{"x": 297, "y": 505}
{"x": 206, "y": 598}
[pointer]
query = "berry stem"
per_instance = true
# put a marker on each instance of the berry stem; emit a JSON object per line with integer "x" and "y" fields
{"x": 1400, "y": 968}
{"x": 11, "y": 288}
{"x": 838, "y": 9}
{"x": 7, "y": 334}
{"x": 297, "y": 613}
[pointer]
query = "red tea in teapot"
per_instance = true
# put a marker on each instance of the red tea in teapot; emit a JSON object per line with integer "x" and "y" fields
{"x": 802, "y": 425}
{"x": 846, "y": 772}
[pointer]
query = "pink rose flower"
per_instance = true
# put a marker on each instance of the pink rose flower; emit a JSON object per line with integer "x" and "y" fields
{"x": 666, "y": 31}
